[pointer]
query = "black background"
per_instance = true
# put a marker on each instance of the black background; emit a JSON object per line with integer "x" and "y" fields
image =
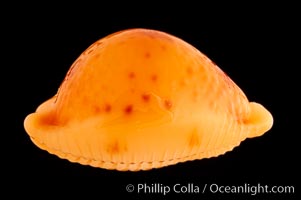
{"x": 253, "y": 44}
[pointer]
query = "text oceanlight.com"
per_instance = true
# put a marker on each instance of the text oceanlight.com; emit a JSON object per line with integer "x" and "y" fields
{"x": 192, "y": 188}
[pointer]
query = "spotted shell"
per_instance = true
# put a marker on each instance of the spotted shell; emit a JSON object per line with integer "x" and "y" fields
{"x": 140, "y": 99}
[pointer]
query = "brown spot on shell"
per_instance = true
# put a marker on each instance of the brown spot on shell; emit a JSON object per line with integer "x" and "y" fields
{"x": 107, "y": 108}
{"x": 167, "y": 104}
{"x": 96, "y": 56}
{"x": 147, "y": 55}
{"x": 189, "y": 71}
{"x": 145, "y": 97}
{"x": 193, "y": 139}
{"x": 212, "y": 104}
{"x": 131, "y": 75}
{"x": 133, "y": 91}
{"x": 113, "y": 148}
{"x": 163, "y": 47}
{"x": 154, "y": 77}
{"x": 116, "y": 147}
{"x": 97, "y": 110}
{"x": 195, "y": 95}
{"x": 51, "y": 120}
{"x": 184, "y": 82}
{"x": 128, "y": 109}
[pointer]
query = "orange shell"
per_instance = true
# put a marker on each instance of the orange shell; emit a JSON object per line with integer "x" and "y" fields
{"x": 141, "y": 99}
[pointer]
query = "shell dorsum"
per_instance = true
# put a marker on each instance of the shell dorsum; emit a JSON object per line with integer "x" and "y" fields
{"x": 141, "y": 99}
